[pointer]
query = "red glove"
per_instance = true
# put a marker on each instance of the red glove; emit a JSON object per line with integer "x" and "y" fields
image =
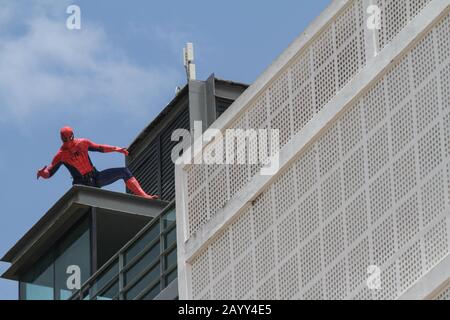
{"x": 43, "y": 173}
{"x": 124, "y": 151}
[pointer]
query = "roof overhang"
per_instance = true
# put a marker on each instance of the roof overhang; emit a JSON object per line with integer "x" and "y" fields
{"x": 64, "y": 214}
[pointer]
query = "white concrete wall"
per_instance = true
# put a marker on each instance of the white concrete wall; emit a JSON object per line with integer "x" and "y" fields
{"x": 365, "y": 129}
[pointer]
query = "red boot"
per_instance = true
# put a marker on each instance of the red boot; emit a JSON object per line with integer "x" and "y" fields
{"x": 135, "y": 187}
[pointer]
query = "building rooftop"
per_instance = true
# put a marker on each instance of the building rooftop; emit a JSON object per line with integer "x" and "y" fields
{"x": 66, "y": 212}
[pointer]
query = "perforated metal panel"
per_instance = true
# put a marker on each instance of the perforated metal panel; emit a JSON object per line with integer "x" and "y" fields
{"x": 444, "y": 295}
{"x": 289, "y": 279}
{"x": 300, "y": 91}
{"x": 221, "y": 253}
{"x": 223, "y": 289}
{"x": 201, "y": 278}
{"x": 395, "y": 14}
{"x": 371, "y": 189}
{"x": 244, "y": 273}
{"x": 358, "y": 260}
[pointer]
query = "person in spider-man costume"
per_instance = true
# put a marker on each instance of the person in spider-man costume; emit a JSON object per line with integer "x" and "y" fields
{"x": 73, "y": 154}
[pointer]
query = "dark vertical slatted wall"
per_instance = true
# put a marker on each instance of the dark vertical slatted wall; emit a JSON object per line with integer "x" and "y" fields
{"x": 222, "y": 104}
{"x": 154, "y": 167}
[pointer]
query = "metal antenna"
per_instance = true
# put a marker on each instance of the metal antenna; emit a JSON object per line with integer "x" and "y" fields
{"x": 189, "y": 65}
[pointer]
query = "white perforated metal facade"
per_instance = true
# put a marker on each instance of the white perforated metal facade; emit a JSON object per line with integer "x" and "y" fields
{"x": 365, "y": 177}
{"x": 444, "y": 294}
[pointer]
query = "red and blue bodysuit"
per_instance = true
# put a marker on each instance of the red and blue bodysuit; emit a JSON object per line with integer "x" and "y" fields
{"x": 74, "y": 155}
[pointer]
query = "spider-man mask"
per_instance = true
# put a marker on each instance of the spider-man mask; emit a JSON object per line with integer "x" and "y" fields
{"x": 67, "y": 134}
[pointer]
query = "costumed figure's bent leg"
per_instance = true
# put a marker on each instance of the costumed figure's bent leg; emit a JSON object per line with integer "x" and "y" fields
{"x": 136, "y": 188}
{"x": 109, "y": 176}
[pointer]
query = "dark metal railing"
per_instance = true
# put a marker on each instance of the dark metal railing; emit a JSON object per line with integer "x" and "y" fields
{"x": 142, "y": 268}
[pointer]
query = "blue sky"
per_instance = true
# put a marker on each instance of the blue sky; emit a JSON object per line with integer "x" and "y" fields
{"x": 109, "y": 79}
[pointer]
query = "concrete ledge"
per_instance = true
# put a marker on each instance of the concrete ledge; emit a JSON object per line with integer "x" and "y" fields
{"x": 431, "y": 284}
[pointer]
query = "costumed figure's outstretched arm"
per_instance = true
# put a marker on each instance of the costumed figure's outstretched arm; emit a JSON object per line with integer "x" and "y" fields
{"x": 48, "y": 171}
{"x": 104, "y": 148}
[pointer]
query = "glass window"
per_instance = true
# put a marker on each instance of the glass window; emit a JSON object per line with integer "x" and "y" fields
{"x": 105, "y": 278}
{"x": 171, "y": 258}
{"x": 171, "y": 276}
{"x": 146, "y": 239}
{"x": 152, "y": 293}
{"x": 147, "y": 260}
{"x": 142, "y": 284}
{"x": 168, "y": 218}
{"x": 73, "y": 263}
{"x": 68, "y": 266}
{"x": 37, "y": 284}
{"x": 61, "y": 272}
{"x": 109, "y": 294}
{"x": 170, "y": 238}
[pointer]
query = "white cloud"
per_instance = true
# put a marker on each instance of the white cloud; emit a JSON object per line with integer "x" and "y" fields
{"x": 5, "y": 16}
{"x": 44, "y": 66}
{"x": 175, "y": 38}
